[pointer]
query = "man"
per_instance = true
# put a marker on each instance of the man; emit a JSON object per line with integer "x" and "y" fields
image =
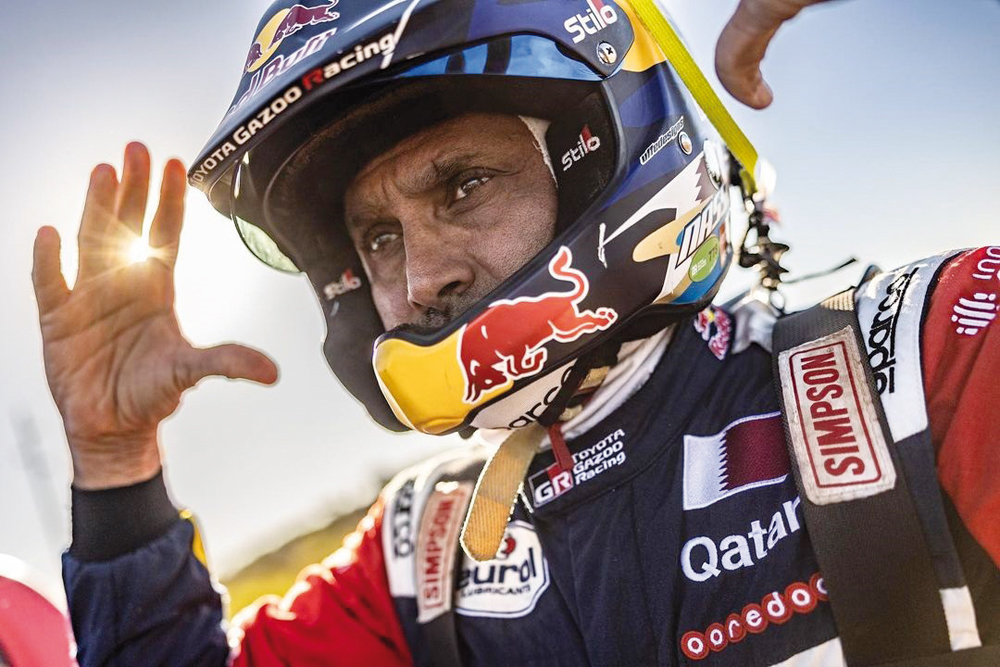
{"x": 530, "y": 232}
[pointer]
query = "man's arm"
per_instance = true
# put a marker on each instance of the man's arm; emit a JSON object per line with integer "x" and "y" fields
{"x": 137, "y": 585}
{"x": 117, "y": 364}
{"x": 137, "y": 589}
{"x": 152, "y": 601}
{"x": 961, "y": 352}
{"x": 339, "y": 612}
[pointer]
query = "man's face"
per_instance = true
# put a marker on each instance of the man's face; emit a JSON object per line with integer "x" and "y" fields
{"x": 449, "y": 213}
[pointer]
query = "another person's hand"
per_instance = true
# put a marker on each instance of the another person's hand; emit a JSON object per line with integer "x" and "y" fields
{"x": 115, "y": 358}
{"x": 743, "y": 43}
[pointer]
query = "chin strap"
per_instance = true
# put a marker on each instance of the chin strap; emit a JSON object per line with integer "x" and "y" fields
{"x": 694, "y": 79}
{"x": 500, "y": 480}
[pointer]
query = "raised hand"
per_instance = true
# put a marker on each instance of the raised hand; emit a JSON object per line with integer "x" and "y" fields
{"x": 115, "y": 358}
{"x": 744, "y": 41}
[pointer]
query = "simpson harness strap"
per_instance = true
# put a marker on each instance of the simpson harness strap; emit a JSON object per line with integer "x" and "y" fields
{"x": 864, "y": 465}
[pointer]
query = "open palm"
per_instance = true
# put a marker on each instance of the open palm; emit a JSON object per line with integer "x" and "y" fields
{"x": 115, "y": 358}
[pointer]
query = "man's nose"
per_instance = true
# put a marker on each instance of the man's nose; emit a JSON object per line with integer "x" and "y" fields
{"x": 438, "y": 268}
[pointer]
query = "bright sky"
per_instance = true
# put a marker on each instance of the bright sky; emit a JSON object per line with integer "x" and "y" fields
{"x": 883, "y": 133}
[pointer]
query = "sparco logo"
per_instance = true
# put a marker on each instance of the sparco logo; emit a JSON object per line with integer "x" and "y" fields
{"x": 508, "y": 586}
{"x": 882, "y": 335}
{"x": 597, "y": 17}
{"x": 402, "y": 521}
{"x": 799, "y": 597}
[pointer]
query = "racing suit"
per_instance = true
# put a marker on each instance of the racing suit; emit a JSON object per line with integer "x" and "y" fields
{"x": 676, "y": 537}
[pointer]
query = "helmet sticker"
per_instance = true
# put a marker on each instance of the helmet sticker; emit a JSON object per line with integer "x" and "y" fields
{"x": 283, "y": 24}
{"x": 596, "y": 18}
{"x": 662, "y": 141}
{"x": 586, "y": 144}
{"x": 348, "y": 282}
{"x": 506, "y": 342}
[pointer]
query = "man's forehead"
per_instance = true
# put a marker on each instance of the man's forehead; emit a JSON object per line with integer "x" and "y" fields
{"x": 470, "y": 134}
{"x": 432, "y": 154}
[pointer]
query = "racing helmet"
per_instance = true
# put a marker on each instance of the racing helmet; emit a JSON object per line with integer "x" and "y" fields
{"x": 645, "y": 193}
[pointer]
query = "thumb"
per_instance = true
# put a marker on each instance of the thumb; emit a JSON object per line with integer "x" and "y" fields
{"x": 231, "y": 360}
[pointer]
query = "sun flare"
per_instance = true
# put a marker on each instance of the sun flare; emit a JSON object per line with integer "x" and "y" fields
{"x": 139, "y": 251}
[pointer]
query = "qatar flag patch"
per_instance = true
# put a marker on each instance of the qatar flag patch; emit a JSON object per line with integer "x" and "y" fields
{"x": 747, "y": 454}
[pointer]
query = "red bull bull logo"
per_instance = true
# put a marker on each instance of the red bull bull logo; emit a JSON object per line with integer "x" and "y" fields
{"x": 285, "y": 24}
{"x": 506, "y": 342}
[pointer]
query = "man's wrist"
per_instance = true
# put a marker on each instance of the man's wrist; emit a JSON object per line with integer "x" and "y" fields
{"x": 114, "y": 462}
{"x": 111, "y": 522}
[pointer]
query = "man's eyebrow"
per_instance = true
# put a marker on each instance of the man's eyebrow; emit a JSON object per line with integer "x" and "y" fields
{"x": 440, "y": 170}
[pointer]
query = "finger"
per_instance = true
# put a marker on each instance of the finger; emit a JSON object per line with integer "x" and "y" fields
{"x": 165, "y": 230}
{"x": 231, "y": 361}
{"x": 95, "y": 253}
{"x": 130, "y": 208}
{"x": 46, "y": 272}
{"x": 741, "y": 48}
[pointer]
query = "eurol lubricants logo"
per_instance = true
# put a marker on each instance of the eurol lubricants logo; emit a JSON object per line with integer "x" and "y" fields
{"x": 284, "y": 24}
{"x": 510, "y": 585}
{"x": 507, "y": 341}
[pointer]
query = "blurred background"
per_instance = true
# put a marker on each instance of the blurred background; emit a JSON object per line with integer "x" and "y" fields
{"x": 883, "y": 131}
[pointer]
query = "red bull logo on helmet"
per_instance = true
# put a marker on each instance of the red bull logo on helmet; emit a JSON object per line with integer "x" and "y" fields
{"x": 507, "y": 342}
{"x": 282, "y": 25}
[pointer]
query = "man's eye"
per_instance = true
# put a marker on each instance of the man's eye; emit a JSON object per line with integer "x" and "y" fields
{"x": 468, "y": 185}
{"x": 377, "y": 242}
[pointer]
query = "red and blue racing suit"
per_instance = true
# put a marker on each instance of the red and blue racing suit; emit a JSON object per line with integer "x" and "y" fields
{"x": 676, "y": 538}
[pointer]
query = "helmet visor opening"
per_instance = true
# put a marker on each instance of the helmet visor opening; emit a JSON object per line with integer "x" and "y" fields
{"x": 254, "y": 238}
{"x": 286, "y": 194}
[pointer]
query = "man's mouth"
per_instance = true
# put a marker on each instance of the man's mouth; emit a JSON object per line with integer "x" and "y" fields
{"x": 430, "y": 322}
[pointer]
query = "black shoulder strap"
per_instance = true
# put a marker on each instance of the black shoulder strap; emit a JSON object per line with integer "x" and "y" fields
{"x": 439, "y": 560}
{"x": 856, "y": 502}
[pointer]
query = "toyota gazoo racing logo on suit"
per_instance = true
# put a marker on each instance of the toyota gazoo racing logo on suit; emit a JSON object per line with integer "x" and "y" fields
{"x": 588, "y": 463}
{"x": 507, "y": 342}
{"x": 510, "y": 585}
